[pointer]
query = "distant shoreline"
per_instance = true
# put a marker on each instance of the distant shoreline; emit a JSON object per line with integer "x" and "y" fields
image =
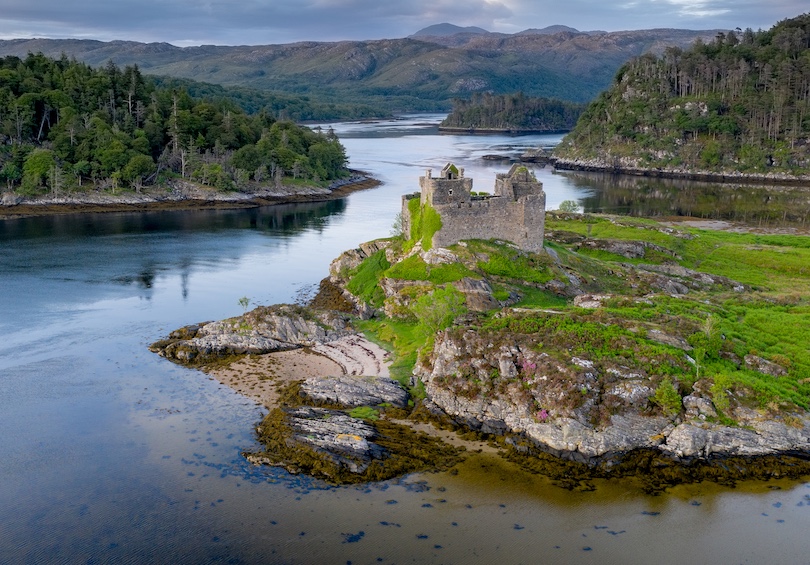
{"x": 184, "y": 196}
{"x": 506, "y": 131}
{"x": 783, "y": 179}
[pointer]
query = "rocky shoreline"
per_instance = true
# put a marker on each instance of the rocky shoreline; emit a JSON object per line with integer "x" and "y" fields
{"x": 506, "y": 374}
{"x": 628, "y": 167}
{"x": 179, "y": 195}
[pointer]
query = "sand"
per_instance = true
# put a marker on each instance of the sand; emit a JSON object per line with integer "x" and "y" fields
{"x": 260, "y": 377}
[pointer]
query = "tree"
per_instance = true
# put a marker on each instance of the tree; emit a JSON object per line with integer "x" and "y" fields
{"x": 138, "y": 167}
{"x": 437, "y": 310}
{"x": 37, "y": 169}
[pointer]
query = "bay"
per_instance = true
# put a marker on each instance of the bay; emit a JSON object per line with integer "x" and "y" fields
{"x": 111, "y": 454}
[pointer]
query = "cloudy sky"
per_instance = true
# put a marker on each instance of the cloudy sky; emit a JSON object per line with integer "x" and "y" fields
{"x": 239, "y": 22}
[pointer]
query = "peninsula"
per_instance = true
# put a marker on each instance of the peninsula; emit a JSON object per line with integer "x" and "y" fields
{"x": 599, "y": 347}
{"x": 733, "y": 108}
{"x": 76, "y": 138}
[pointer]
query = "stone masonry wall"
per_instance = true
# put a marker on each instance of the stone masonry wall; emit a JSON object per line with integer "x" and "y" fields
{"x": 520, "y": 222}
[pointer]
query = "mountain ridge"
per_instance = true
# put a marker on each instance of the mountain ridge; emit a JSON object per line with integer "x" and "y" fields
{"x": 396, "y": 74}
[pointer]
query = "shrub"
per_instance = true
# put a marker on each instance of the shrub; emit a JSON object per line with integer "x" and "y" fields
{"x": 667, "y": 397}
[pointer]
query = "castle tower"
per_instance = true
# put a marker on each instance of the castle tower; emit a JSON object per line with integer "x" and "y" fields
{"x": 515, "y": 213}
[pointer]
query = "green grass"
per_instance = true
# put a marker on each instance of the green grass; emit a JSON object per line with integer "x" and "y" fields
{"x": 414, "y": 268}
{"x": 404, "y": 338}
{"x": 425, "y": 222}
{"x": 364, "y": 283}
{"x": 772, "y": 320}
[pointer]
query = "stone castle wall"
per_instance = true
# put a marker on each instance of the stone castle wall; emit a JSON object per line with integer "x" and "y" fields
{"x": 521, "y": 222}
{"x": 515, "y": 213}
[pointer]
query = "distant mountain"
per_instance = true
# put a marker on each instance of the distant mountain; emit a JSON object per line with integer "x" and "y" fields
{"x": 410, "y": 74}
{"x": 548, "y": 30}
{"x": 445, "y": 29}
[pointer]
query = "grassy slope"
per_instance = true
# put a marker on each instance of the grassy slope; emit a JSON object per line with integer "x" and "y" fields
{"x": 770, "y": 319}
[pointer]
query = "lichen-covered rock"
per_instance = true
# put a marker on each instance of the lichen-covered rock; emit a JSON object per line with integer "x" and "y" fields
{"x": 477, "y": 293}
{"x": 587, "y": 412}
{"x": 263, "y": 330}
{"x": 764, "y": 366}
{"x": 351, "y": 391}
{"x": 345, "y": 441}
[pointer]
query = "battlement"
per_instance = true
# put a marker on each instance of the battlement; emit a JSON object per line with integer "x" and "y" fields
{"x": 516, "y": 211}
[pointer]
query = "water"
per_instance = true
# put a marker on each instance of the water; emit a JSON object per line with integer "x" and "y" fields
{"x": 110, "y": 454}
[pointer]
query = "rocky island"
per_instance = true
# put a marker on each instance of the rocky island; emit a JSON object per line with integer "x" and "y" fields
{"x": 587, "y": 346}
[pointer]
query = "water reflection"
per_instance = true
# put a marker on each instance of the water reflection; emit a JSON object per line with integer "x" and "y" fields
{"x": 745, "y": 203}
{"x": 287, "y": 218}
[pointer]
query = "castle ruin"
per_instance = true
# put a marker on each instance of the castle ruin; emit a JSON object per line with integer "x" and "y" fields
{"x": 515, "y": 212}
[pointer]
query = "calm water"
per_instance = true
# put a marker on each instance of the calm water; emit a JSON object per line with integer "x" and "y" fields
{"x": 112, "y": 455}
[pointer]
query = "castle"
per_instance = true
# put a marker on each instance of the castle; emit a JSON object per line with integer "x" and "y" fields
{"x": 516, "y": 212}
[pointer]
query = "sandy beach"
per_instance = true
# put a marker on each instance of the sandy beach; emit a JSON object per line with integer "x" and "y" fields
{"x": 261, "y": 376}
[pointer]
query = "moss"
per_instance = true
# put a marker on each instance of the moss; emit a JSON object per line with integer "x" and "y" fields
{"x": 425, "y": 222}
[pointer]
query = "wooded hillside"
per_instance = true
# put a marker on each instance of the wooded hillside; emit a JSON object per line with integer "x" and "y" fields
{"x": 739, "y": 103}
{"x": 66, "y": 126}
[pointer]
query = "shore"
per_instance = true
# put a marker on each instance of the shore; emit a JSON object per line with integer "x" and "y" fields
{"x": 179, "y": 196}
{"x": 260, "y": 377}
{"x": 596, "y": 165}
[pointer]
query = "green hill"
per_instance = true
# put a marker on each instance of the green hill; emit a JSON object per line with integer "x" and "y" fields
{"x": 739, "y": 104}
{"x": 392, "y": 74}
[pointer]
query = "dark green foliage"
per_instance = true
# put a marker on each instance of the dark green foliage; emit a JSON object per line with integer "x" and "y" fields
{"x": 513, "y": 112}
{"x": 667, "y": 397}
{"x": 738, "y": 103}
{"x": 66, "y": 126}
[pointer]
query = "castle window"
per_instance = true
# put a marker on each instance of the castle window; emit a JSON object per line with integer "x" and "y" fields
{"x": 450, "y": 192}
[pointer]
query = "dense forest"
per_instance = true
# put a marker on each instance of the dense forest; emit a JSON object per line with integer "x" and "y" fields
{"x": 738, "y": 103}
{"x": 515, "y": 112}
{"x": 65, "y": 126}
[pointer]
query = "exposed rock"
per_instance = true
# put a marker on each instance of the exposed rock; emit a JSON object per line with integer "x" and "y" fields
{"x": 351, "y": 259}
{"x": 351, "y": 391}
{"x": 666, "y": 339}
{"x": 345, "y": 441}
{"x": 591, "y": 300}
{"x": 478, "y": 294}
{"x": 10, "y": 199}
{"x": 263, "y": 330}
{"x": 462, "y": 382}
{"x": 439, "y": 256}
{"x": 698, "y": 407}
{"x": 634, "y": 393}
{"x": 629, "y": 249}
{"x": 764, "y": 366}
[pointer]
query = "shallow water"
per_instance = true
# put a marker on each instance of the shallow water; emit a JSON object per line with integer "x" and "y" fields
{"x": 110, "y": 454}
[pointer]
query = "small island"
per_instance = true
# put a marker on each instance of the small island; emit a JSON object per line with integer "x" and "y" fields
{"x": 511, "y": 114}
{"x": 586, "y": 346}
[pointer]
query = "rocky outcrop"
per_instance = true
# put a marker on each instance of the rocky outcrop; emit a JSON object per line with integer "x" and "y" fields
{"x": 589, "y": 412}
{"x": 351, "y": 391}
{"x": 756, "y": 363}
{"x": 342, "y": 441}
{"x": 263, "y": 330}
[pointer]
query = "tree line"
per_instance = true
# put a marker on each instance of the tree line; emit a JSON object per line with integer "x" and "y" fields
{"x": 513, "y": 112}
{"x": 65, "y": 126}
{"x": 740, "y": 102}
